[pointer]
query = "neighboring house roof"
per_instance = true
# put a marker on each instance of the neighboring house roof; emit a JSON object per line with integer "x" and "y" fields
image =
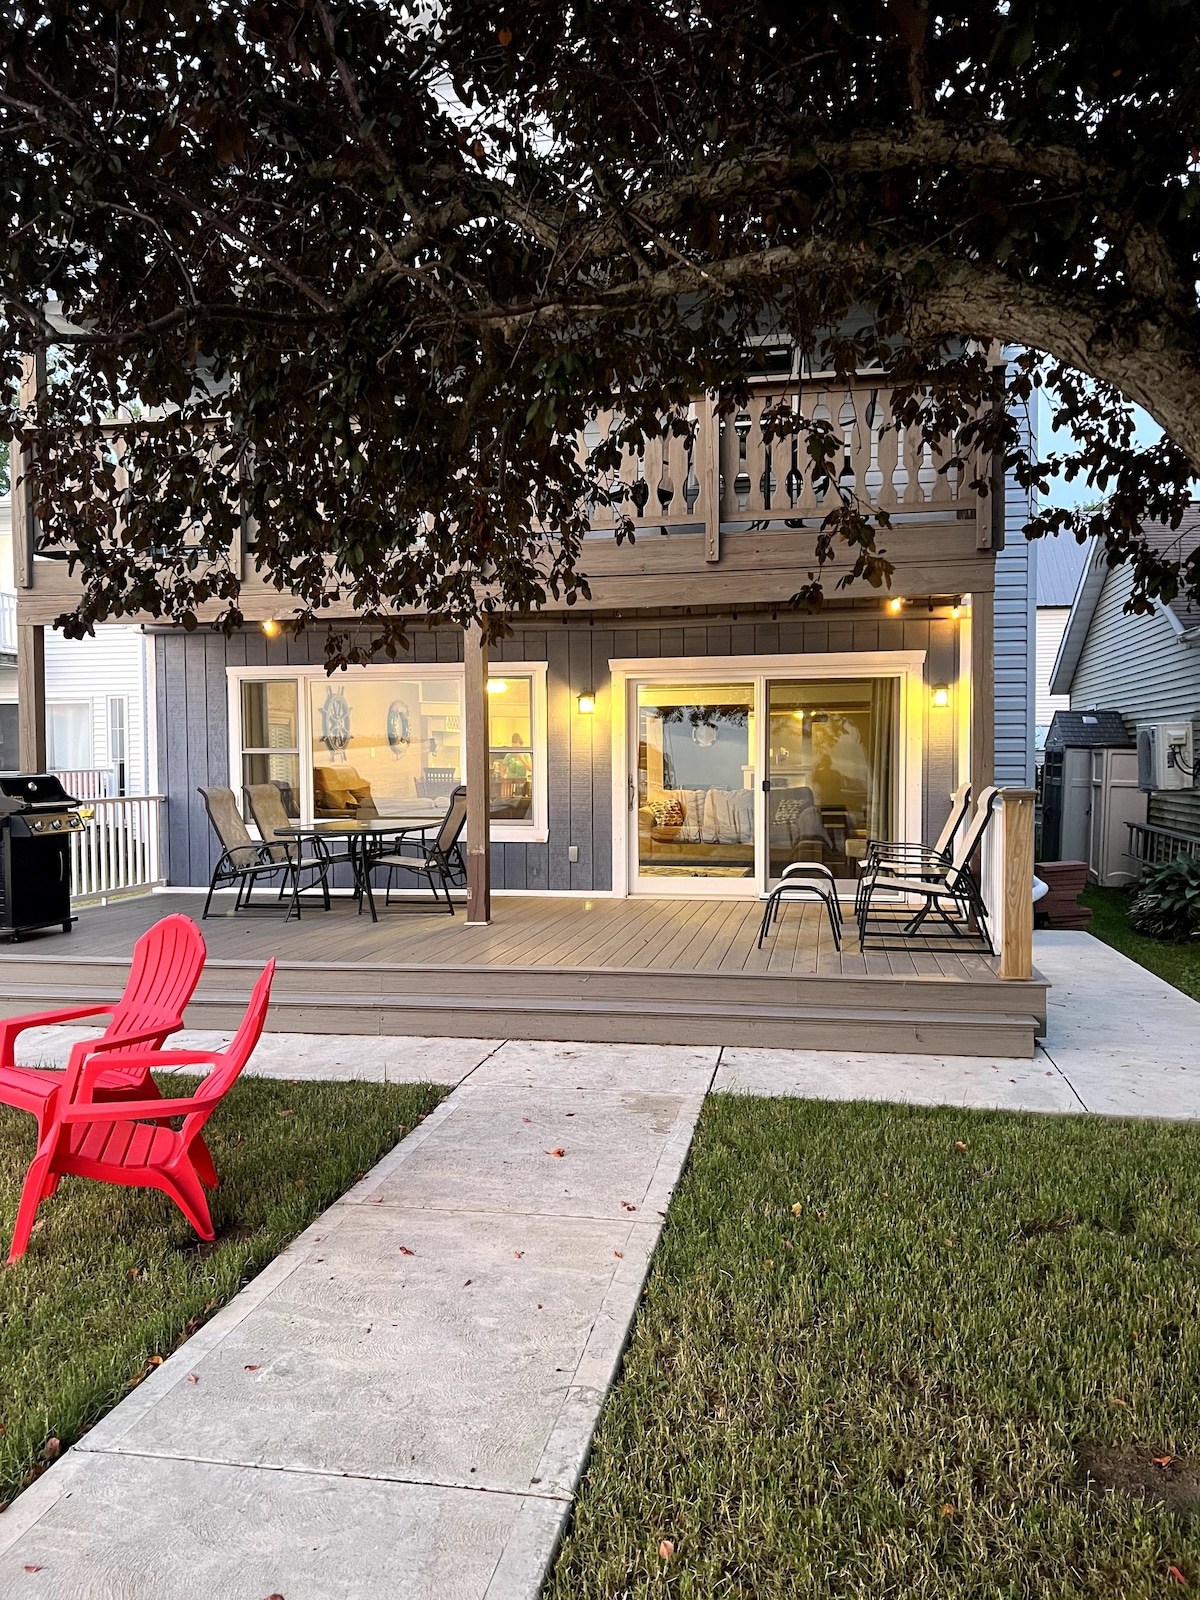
{"x": 1083, "y": 729}
{"x": 1183, "y": 617}
{"x": 1060, "y": 561}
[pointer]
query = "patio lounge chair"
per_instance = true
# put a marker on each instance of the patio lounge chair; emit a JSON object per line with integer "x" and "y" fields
{"x": 801, "y": 880}
{"x": 898, "y": 857}
{"x": 268, "y": 813}
{"x": 130, "y": 1143}
{"x": 949, "y": 891}
{"x": 438, "y": 860}
{"x": 167, "y": 962}
{"x": 246, "y": 861}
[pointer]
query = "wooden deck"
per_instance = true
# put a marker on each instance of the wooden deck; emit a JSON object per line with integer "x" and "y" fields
{"x": 638, "y": 970}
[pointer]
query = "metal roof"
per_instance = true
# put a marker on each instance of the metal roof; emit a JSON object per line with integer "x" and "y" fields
{"x": 1060, "y": 561}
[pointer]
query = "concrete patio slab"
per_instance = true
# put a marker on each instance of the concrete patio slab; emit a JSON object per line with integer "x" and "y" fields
{"x": 968, "y": 1081}
{"x": 342, "y": 1057}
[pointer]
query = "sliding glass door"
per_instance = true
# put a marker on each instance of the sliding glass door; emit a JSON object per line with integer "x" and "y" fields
{"x": 831, "y": 770}
{"x": 694, "y": 769}
{"x": 728, "y": 782}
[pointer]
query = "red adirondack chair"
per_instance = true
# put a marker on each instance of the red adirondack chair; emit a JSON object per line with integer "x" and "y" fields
{"x": 166, "y": 967}
{"x": 108, "y": 1140}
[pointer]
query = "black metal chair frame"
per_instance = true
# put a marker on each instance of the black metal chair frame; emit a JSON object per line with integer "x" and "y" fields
{"x": 801, "y": 879}
{"x": 900, "y": 858}
{"x": 941, "y": 890}
{"x": 441, "y": 855}
{"x": 246, "y": 864}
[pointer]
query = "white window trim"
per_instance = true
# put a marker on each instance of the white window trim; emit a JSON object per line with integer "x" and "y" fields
{"x": 534, "y": 832}
{"x": 908, "y": 666}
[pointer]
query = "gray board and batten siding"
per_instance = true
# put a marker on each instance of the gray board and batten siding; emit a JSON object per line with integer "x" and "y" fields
{"x": 193, "y": 715}
{"x": 1140, "y": 665}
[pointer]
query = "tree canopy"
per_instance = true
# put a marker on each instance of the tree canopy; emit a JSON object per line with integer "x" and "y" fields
{"x": 356, "y": 274}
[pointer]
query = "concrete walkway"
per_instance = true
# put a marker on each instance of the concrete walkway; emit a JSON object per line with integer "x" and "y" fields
{"x": 401, "y": 1404}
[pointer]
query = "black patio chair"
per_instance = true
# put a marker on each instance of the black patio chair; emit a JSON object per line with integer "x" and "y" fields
{"x": 268, "y": 813}
{"x": 438, "y": 860}
{"x": 245, "y": 861}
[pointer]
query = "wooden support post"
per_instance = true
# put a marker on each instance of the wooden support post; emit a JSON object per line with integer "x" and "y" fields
{"x": 707, "y": 455}
{"x": 1015, "y": 821}
{"x": 983, "y": 692}
{"x": 31, "y": 696}
{"x": 477, "y": 773}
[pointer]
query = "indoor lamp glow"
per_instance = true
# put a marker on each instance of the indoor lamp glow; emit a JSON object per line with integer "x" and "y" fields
{"x": 497, "y": 686}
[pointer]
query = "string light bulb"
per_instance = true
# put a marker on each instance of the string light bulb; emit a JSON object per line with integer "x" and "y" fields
{"x": 271, "y": 628}
{"x": 895, "y": 604}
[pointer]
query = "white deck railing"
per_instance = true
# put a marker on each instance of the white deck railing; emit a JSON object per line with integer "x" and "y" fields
{"x": 119, "y": 848}
{"x": 85, "y": 783}
{"x": 8, "y": 622}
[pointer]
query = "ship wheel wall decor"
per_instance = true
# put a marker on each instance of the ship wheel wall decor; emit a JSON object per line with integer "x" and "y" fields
{"x": 397, "y": 728}
{"x": 335, "y": 723}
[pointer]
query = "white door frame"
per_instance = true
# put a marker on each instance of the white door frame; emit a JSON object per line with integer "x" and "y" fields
{"x": 907, "y": 666}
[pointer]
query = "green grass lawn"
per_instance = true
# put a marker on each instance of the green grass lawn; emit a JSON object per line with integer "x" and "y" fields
{"x": 880, "y": 1349}
{"x": 114, "y": 1278}
{"x": 1176, "y": 963}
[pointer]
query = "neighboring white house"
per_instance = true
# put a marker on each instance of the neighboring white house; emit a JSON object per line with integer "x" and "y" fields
{"x": 1060, "y": 563}
{"x": 97, "y": 691}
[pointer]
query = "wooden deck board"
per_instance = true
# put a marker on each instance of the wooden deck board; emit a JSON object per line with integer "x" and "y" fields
{"x": 683, "y": 935}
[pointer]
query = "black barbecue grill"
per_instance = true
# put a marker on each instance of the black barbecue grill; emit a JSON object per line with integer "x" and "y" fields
{"x": 37, "y": 818}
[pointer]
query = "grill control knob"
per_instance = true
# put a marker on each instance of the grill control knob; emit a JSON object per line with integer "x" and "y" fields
{"x": 36, "y": 825}
{"x": 57, "y": 823}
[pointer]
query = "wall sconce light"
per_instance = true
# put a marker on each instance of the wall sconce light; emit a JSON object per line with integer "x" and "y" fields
{"x": 271, "y": 628}
{"x": 587, "y": 702}
{"x": 497, "y": 686}
{"x": 941, "y": 695}
{"x": 895, "y": 604}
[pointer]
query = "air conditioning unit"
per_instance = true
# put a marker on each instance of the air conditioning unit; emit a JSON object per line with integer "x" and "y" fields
{"x": 1165, "y": 759}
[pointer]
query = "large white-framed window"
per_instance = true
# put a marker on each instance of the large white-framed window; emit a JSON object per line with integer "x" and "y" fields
{"x": 389, "y": 740}
{"x": 763, "y": 736}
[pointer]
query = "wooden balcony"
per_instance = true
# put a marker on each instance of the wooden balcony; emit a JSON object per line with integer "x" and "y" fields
{"x": 730, "y": 513}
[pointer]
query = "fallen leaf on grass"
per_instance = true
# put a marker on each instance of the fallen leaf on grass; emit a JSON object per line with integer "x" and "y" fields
{"x": 947, "y": 1510}
{"x": 960, "y": 1144}
{"x": 155, "y": 1361}
{"x": 1162, "y": 1461}
{"x": 797, "y": 1209}
{"x": 666, "y": 1550}
{"x": 1174, "y": 1572}
{"x": 52, "y": 1449}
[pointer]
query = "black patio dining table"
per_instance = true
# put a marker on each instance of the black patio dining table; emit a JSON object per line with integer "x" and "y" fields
{"x": 362, "y": 839}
